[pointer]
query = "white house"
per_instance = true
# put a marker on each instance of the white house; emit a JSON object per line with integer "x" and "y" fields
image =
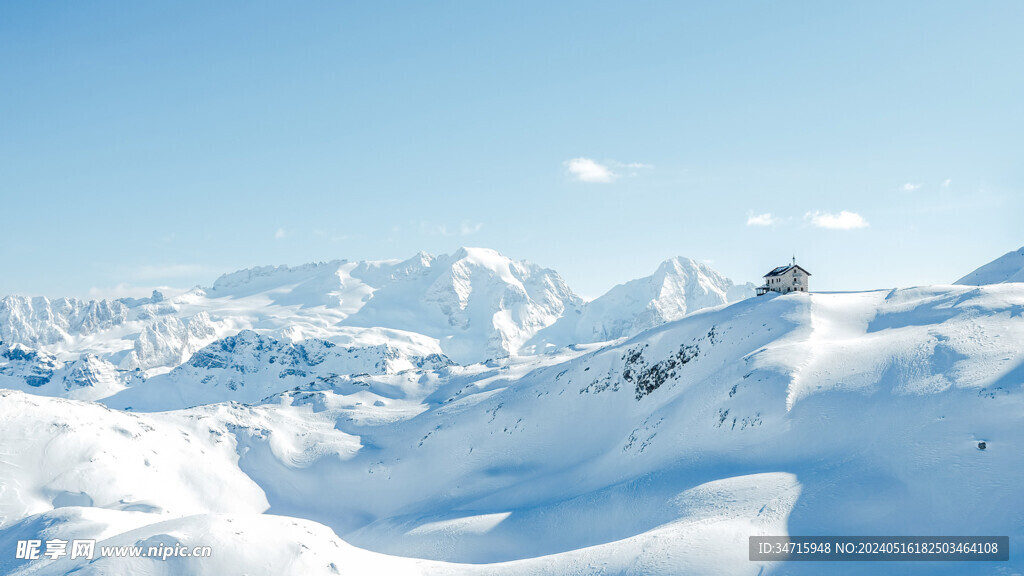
{"x": 792, "y": 278}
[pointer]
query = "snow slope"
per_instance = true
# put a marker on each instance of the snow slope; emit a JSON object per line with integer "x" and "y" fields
{"x": 1007, "y": 268}
{"x": 856, "y": 413}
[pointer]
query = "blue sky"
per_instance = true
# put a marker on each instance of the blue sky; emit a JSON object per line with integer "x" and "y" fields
{"x": 159, "y": 144}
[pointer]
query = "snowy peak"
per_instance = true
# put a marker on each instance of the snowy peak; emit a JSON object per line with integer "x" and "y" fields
{"x": 38, "y": 320}
{"x": 681, "y": 283}
{"x": 309, "y": 285}
{"x": 678, "y": 287}
{"x": 169, "y": 341}
{"x": 266, "y": 277}
{"x": 476, "y": 302}
{"x": 1007, "y": 268}
{"x": 86, "y": 378}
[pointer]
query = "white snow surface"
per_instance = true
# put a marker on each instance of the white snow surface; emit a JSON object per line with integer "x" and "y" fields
{"x": 658, "y": 453}
{"x": 1007, "y": 268}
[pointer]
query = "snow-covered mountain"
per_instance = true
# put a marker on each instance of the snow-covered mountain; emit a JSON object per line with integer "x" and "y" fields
{"x": 40, "y": 321}
{"x": 475, "y": 302}
{"x": 249, "y": 366}
{"x": 1007, "y": 268}
{"x": 679, "y": 286}
{"x": 469, "y": 306}
{"x": 853, "y": 413}
{"x": 131, "y": 333}
{"x": 86, "y": 378}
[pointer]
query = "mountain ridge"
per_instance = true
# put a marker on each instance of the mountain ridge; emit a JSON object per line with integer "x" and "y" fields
{"x": 476, "y": 303}
{"x": 1007, "y": 268}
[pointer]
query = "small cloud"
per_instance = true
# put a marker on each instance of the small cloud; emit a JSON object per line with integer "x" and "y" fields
{"x": 631, "y": 168}
{"x": 587, "y": 170}
{"x": 631, "y": 165}
{"x": 947, "y": 182}
{"x": 280, "y": 234}
{"x": 467, "y": 228}
{"x": 911, "y": 186}
{"x": 765, "y": 219}
{"x": 844, "y": 220}
{"x": 607, "y": 171}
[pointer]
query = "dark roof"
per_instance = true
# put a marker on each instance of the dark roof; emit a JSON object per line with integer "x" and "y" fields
{"x": 783, "y": 269}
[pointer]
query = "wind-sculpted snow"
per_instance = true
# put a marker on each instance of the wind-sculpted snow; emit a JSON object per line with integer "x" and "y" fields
{"x": 60, "y": 452}
{"x": 704, "y": 539}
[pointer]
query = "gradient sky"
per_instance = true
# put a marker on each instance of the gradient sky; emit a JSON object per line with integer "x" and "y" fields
{"x": 162, "y": 143}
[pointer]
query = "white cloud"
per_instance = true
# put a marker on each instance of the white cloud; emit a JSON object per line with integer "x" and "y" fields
{"x": 947, "y": 182}
{"x": 631, "y": 165}
{"x": 911, "y": 186}
{"x": 280, "y": 234}
{"x": 467, "y": 228}
{"x": 587, "y": 170}
{"x": 765, "y": 219}
{"x": 844, "y": 220}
